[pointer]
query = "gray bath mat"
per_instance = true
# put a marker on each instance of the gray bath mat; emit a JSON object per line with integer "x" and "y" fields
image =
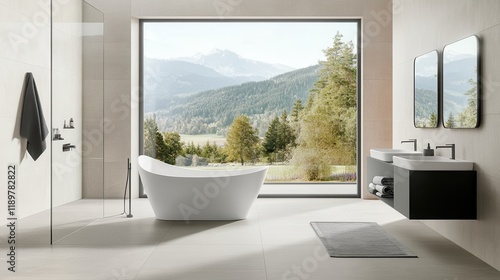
{"x": 359, "y": 240}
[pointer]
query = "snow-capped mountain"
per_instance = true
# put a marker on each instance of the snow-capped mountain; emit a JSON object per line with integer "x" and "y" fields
{"x": 189, "y": 75}
{"x": 231, "y": 64}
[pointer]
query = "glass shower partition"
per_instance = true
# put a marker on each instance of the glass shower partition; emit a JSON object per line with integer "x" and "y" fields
{"x": 77, "y": 119}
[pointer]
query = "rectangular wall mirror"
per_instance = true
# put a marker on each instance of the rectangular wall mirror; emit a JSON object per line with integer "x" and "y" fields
{"x": 461, "y": 84}
{"x": 425, "y": 90}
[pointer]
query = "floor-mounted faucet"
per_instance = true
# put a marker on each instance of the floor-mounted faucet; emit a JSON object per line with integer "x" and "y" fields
{"x": 414, "y": 141}
{"x": 452, "y": 146}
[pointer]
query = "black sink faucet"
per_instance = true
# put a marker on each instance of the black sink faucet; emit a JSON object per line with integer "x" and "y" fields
{"x": 414, "y": 141}
{"x": 452, "y": 146}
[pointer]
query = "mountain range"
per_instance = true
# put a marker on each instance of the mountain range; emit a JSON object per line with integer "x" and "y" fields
{"x": 214, "y": 110}
{"x": 231, "y": 64}
{"x": 219, "y": 68}
{"x": 204, "y": 93}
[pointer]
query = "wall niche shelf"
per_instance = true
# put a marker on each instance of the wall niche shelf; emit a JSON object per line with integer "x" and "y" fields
{"x": 429, "y": 195}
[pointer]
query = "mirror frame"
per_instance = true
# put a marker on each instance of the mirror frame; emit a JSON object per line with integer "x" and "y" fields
{"x": 437, "y": 89}
{"x": 478, "y": 83}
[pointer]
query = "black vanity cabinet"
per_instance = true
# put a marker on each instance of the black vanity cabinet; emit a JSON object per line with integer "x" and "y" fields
{"x": 429, "y": 195}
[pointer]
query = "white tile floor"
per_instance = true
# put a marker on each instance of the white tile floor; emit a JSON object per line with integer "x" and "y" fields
{"x": 275, "y": 242}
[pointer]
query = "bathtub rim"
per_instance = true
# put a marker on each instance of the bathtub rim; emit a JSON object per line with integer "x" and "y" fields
{"x": 164, "y": 169}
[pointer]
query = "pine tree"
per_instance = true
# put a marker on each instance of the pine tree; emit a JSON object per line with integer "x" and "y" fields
{"x": 450, "y": 122}
{"x": 154, "y": 143}
{"x": 162, "y": 152}
{"x": 295, "y": 119}
{"x": 296, "y": 109}
{"x": 150, "y": 129}
{"x": 328, "y": 121}
{"x": 207, "y": 152}
{"x": 191, "y": 149}
{"x": 271, "y": 139}
{"x": 242, "y": 140}
{"x": 468, "y": 117}
{"x": 173, "y": 146}
{"x": 432, "y": 120}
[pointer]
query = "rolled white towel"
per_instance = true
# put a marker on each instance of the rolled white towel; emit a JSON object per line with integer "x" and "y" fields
{"x": 384, "y": 189}
{"x": 379, "y": 194}
{"x": 383, "y": 180}
{"x": 371, "y": 188}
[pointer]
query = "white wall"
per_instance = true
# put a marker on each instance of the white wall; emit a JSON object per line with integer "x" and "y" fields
{"x": 67, "y": 100}
{"x": 24, "y": 47}
{"x": 121, "y": 89}
{"x": 422, "y": 26}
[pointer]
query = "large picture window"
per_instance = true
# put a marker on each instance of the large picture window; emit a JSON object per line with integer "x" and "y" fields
{"x": 239, "y": 93}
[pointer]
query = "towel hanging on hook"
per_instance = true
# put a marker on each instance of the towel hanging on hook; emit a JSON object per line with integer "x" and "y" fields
{"x": 33, "y": 126}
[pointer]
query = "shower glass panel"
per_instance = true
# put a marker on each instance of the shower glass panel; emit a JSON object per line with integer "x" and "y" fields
{"x": 77, "y": 119}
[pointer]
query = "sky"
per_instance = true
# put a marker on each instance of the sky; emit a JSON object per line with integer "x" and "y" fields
{"x": 295, "y": 44}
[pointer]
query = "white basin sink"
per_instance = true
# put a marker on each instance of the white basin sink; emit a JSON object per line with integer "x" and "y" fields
{"x": 431, "y": 163}
{"x": 387, "y": 154}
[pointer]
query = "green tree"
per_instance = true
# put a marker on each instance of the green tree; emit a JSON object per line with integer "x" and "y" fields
{"x": 242, "y": 140}
{"x": 432, "y": 120}
{"x": 212, "y": 152}
{"x": 162, "y": 151}
{"x": 295, "y": 117}
{"x": 207, "y": 151}
{"x": 286, "y": 138}
{"x": 285, "y": 133}
{"x": 296, "y": 109}
{"x": 150, "y": 130}
{"x": 450, "y": 122}
{"x": 279, "y": 139}
{"x": 328, "y": 121}
{"x": 173, "y": 146}
{"x": 191, "y": 149}
{"x": 270, "y": 140}
{"x": 468, "y": 117}
{"x": 154, "y": 146}
{"x": 165, "y": 147}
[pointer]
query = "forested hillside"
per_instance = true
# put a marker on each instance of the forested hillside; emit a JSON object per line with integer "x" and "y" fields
{"x": 214, "y": 110}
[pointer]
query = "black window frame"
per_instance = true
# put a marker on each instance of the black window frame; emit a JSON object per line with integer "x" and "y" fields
{"x": 358, "y": 80}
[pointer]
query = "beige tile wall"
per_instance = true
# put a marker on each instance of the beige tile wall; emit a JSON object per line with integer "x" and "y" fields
{"x": 93, "y": 103}
{"x": 67, "y": 100}
{"x": 24, "y": 47}
{"x": 376, "y": 59}
{"x": 117, "y": 88}
{"x": 422, "y": 26}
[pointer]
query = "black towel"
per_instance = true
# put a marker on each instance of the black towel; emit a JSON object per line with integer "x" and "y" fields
{"x": 33, "y": 126}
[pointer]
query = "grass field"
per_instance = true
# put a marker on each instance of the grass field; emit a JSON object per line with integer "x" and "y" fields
{"x": 283, "y": 173}
{"x": 203, "y": 138}
{"x": 286, "y": 173}
{"x": 276, "y": 173}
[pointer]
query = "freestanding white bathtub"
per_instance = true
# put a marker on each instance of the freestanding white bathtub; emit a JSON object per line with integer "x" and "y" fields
{"x": 177, "y": 193}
